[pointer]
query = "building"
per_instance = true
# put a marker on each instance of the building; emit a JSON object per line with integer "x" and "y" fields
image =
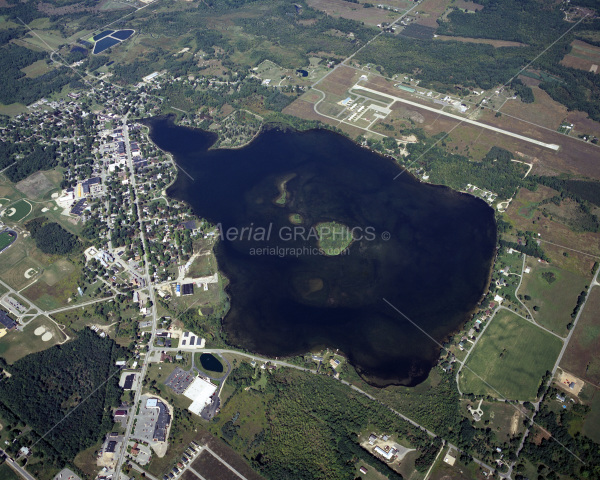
{"x": 120, "y": 414}
{"x": 187, "y": 289}
{"x": 6, "y": 321}
{"x": 129, "y": 381}
{"x": 111, "y": 447}
{"x": 363, "y": 470}
{"x": 200, "y": 392}
{"x": 162, "y": 423}
{"x": 386, "y": 454}
{"x": 372, "y": 439}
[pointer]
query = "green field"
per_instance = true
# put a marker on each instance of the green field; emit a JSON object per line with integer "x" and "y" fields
{"x": 15, "y": 345}
{"x": 18, "y": 211}
{"x": 5, "y": 240}
{"x": 554, "y": 292}
{"x": 7, "y": 473}
{"x": 512, "y": 356}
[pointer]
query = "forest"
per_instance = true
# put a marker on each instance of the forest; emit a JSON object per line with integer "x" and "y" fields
{"x": 442, "y": 65}
{"x": 537, "y": 24}
{"x": 531, "y": 22}
{"x": 42, "y": 157}
{"x": 50, "y": 237}
{"x": 18, "y": 88}
{"x": 45, "y": 386}
{"x": 496, "y": 172}
{"x": 313, "y": 427}
{"x": 574, "y": 456}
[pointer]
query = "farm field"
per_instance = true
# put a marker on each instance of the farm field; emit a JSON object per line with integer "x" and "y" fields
{"x": 512, "y": 356}
{"x": 591, "y": 424}
{"x": 581, "y": 356}
{"x": 356, "y": 11}
{"x": 15, "y": 345}
{"x": 583, "y": 56}
{"x": 554, "y": 292}
{"x": 524, "y": 215}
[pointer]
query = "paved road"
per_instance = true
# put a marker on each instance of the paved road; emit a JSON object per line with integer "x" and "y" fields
{"x": 145, "y": 362}
{"x": 136, "y": 467}
{"x": 458, "y": 117}
{"x": 353, "y": 387}
{"x": 16, "y": 467}
{"x": 83, "y": 304}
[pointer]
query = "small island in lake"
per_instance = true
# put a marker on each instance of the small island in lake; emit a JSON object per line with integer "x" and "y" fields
{"x": 334, "y": 237}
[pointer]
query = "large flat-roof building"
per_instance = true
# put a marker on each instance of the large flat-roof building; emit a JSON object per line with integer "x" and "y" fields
{"x": 200, "y": 392}
{"x": 6, "y": 321}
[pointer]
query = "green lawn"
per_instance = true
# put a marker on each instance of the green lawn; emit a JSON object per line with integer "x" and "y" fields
{"x": 512, "y": 356}
{"x": 7, "y": 473}
{"x": 554, "y": 291}
{"x": 21, "y": 209}
{"x": 16, "y": 345}
{"x": 5, "y": 240}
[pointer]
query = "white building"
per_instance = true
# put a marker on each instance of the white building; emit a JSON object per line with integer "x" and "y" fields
{"x": 200, "y": 392}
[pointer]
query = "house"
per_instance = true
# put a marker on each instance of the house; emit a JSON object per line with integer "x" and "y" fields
{"x": 120, "y": 415}
{"x": 388, "y": 453}
{"x": 372, "y": 439}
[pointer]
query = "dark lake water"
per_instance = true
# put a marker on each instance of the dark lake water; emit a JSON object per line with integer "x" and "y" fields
{"x": 211, "y": 363}
{"x": 426, "y": 249}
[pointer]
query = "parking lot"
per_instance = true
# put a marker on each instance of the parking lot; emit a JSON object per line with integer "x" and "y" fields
{"x": 179, "y": 380}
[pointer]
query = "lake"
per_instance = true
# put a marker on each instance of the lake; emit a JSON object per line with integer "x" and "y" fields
{"x": 425, "y": 249}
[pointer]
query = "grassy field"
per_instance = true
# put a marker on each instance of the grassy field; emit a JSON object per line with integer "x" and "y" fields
{"x": 57, "y": 284}
{"x": 19, "y": 258}
{"x": 512, "y": 356}
{"x": 591, "y": 424}
{"x": 459, "y": 471}
{"x": 202, "y": 266}
{"x": 15, "y": 345}
{"x": 18, "y": 211}
{"x": 13, "y": 109}
{"x": 581, "y": 356}
{"x": 5, "y": 240}
{"x": 7, "y": 473}
{"x": 554, "y": 292}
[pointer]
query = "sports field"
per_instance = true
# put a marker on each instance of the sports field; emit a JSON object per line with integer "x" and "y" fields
{"x": 512, "y": 356}
{"x": 5, "y": 240}
{"x": 18, "y": 211}
{"x": 15, "y": 345}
